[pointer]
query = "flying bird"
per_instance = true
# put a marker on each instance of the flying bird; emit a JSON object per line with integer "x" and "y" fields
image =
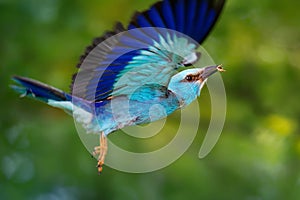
{"x": 128, "y": 70}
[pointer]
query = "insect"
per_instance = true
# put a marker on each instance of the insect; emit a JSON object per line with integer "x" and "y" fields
{"x": 128, "y": 70}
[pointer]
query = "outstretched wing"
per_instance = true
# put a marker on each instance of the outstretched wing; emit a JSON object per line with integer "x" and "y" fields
{"x": 157, "y": 42}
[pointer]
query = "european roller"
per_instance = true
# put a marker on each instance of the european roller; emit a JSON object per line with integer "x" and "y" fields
{"x": 130, "y": 69}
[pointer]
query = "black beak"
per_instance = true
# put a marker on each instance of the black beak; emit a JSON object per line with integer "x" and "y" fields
{"x": 208, "y": 71}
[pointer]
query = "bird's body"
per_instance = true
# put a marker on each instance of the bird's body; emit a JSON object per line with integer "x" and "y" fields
{"x": 148, "y": 103}
{"x": 122, "y": 111}
{"x": 130, "y": 75}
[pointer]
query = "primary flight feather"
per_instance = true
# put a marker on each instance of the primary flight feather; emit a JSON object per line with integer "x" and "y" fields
{"x": 128, "y": 70}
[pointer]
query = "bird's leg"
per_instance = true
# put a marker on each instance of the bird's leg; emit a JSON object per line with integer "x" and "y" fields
{"x": 101, "y": 151}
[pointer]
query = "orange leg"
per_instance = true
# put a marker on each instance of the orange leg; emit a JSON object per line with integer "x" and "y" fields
{"x": 101, "y": 152}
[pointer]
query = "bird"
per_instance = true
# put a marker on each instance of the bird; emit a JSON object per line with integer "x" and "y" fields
{"x": 124, "y": 72}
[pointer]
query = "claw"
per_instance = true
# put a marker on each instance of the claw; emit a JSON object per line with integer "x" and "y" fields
{"x": 99, "y": 171}
{"x": 99, "y": 167}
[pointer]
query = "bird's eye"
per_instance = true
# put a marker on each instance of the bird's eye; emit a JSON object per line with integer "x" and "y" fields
{"x": 189, "y": 78}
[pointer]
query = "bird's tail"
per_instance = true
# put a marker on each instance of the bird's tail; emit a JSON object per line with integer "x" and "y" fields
{"x": 37, "y": 90}
{"x": 78, "y": 107}
{"x": 52, "y": 96}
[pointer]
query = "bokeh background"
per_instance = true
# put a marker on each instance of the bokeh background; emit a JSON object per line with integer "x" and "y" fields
{"x": 257, "y": 156}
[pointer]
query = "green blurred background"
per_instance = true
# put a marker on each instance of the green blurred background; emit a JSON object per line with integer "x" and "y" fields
{"x": 257, "y": 156}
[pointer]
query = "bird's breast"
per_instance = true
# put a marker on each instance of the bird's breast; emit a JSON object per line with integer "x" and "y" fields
{"x": 123, "y": 111}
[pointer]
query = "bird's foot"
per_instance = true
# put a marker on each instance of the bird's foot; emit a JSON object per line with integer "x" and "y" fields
{"x": 101, "y": 152}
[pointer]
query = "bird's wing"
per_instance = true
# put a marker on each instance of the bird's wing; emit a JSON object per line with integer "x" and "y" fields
{"x": 155, "y": 44}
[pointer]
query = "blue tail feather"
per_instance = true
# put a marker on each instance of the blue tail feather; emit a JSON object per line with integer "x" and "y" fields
{"x": 35, "y": 89}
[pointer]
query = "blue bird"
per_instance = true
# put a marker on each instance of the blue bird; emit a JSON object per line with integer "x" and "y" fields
{"x": 128, "y": 70}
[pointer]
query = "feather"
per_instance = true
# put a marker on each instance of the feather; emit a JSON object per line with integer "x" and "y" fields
{"x": 169, "y": 31}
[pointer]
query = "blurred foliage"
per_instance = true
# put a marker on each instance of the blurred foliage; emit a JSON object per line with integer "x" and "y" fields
{"x": 257, "y": 156}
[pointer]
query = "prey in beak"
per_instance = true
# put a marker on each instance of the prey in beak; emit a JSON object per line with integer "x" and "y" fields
{"x": 208, "y": 71}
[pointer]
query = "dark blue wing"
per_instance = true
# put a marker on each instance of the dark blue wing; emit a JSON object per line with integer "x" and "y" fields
{"x": 194, "y": 18}
{"x": 117, "y": 65}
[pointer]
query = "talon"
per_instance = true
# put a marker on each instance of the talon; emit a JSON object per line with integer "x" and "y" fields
{"x": 100, "y": 170}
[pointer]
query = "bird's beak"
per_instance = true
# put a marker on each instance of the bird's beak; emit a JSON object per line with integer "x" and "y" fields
{"x": 208, "y": 71}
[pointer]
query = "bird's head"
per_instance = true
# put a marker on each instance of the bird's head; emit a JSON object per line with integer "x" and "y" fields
{"x": 187, "y": 84}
